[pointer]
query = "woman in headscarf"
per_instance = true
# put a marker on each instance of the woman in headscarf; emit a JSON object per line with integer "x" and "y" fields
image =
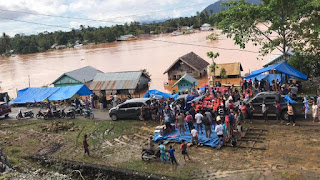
{"x": 306, "y": 107}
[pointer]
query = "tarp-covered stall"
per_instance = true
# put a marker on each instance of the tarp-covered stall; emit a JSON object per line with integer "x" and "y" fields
{"x": 283, "y": 68}
{"x": 68, "y": 92}
{"x": 31, "y": 95}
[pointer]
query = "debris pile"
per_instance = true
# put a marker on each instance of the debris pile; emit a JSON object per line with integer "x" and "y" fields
{"x": 59, "y": 126}
{"x": 5, "y": 165}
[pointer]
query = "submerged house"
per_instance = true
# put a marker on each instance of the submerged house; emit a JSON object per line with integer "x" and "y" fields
{"x": 233, "y": 73}
{"x": 83, "y": 75}
{"x": 186, "y": 82}
{"x": 191, "y": 64}
{"x": 206, "y": 27}
{"x": 120, "y": 82}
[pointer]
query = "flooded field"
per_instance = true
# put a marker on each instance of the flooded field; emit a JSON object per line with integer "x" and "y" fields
{"x": 155, "y": 55}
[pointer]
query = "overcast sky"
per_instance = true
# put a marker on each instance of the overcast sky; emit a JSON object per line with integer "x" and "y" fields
{"x": 109, "y": 11}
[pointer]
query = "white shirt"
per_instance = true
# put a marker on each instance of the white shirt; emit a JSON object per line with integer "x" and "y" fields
{"x": 318, "y": 101}
{"x": 115, "y": 98}
{"x": 314, "y": 109}
{"x": 194, "y": 132}
{"x": 219, "y": 129}
{"x": 264, "y": 108}
{"x": 198, "y": 118}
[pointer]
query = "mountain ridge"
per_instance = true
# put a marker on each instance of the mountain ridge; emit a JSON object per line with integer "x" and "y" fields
{"x": 217, "y": 7}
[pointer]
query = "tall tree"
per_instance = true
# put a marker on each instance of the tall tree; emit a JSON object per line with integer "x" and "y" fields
{"x": 274, "y": 24}
{"x": 212, "y": 67}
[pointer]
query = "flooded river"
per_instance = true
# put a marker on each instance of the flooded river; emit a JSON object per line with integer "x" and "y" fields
{"x": 155, "y": 55}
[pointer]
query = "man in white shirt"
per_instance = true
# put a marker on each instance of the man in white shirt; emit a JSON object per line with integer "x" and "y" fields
{"x": 115, "y": 100}
{"x": 198, "y": 117}
{"x": 318, "y": 101}
{"x": 194, "y": 134}
{"x": 219, "y": 131}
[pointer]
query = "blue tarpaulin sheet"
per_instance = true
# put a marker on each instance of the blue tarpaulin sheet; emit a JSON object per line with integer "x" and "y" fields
{"x": 158, "y": 94}
{"x": 202, "y": 139}
{"x": 287, "y": 99}
{"x": 282, "y": 68}
{"x": 267, "y": 77}
{"x": 68, "y": 92}
{"x": 31, "y": 95}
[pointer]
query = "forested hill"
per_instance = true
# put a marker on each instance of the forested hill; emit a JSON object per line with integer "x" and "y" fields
{"x": 217, "y": 6}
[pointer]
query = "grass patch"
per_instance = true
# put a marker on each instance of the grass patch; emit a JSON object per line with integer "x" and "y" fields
{"x": 33, "y": 142}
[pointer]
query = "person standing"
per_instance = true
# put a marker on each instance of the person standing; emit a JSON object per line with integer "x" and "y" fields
{"x": 264, "y": 111}
{"x": 219, "y": 131}
{"x": 183, "y": 148}
{"x": 181, "y": 122}
{"x": 172, "y": 157}
{"x": 199, "y": 118}
{"x": 291, "y": 115}
{"x": 115, "y": 100}
{"x": 251, "y": 111}
{"x": 278, "y": 110}
{"x": 189, "y": 120}
{"x": 315, "y": 109}
{"x": 194, "y": 134}
{"x": 306, "y": 107}
{"x": 86, "y": 145}
{"x": 207, "y": 125}
{"x": 318, "y": 101}
{"x": 163, "y": 155}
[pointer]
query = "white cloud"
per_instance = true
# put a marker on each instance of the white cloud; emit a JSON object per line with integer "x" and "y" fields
{"x": 119, "y": 11}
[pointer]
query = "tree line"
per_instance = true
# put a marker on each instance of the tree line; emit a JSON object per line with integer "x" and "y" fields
{"x": 24, "y": 44}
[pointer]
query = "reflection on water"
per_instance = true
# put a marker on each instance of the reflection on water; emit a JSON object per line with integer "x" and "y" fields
{"x": 155, "y": 56}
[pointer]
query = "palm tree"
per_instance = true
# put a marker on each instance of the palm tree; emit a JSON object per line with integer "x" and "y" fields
{"x": 223, "y": 74}
{"x": 213, "y": 65}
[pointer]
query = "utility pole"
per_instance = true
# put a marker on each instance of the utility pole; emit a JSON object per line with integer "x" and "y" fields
{"x": 29, "y": 79}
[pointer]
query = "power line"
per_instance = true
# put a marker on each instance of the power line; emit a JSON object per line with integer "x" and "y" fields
{"x": 189, "y": 44}
{"x": 36, "y": 23}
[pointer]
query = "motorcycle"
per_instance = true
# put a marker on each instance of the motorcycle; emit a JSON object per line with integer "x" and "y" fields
{"x": 69, "y": 114}
{"x": 48, "y": 114}
{"x": 88, "y": 113}
{"x": 40, "y": 114}
{"x": 78, "y": 111}
{"x": 150, "y": 154}
{"x": 25, "y": 114}
{"x": 56, "y": 113}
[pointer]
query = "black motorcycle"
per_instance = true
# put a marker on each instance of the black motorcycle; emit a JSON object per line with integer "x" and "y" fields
{"x": 56, "y": 113}
{"x": 25, "y": 114}
{"x": 48, "y": 115}
{"x": 69, "y": 114}
{"x": 40, "y": 114}
{"x": 150, "y": 154}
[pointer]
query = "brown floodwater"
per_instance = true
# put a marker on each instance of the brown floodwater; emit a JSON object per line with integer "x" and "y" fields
{"x": 151, "y": 54}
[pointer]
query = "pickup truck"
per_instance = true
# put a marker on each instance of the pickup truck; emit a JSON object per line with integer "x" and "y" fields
{"x": 4, "y": 106}
{"x": 270, "y": 98}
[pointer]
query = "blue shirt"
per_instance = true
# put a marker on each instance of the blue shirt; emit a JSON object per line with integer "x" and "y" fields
{"x": 162, "y": 148}
{"x": 171, "y": 152}
{"x": 231, "y": 118}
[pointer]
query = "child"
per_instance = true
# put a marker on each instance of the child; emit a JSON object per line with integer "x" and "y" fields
{"x": 172, "y": 157}
{"x": 219, "y": 131}
{"x": 183, "y": 148}
{"x": 264, "y": 111}
{"x": 278, "y": 110}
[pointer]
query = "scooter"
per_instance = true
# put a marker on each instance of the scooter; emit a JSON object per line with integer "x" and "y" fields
{"x": 48, "y": 114}
{"x": 56, "y": 113}
{"x": 150, "y": 154}
{"x": 69, "y": 114}
{"x": 40, "y": 114}
{"x": 25, "y": 114}
{"x": 88, "y": 113}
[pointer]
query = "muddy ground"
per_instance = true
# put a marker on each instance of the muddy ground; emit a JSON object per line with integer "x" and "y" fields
{"x": 291, "y": 152}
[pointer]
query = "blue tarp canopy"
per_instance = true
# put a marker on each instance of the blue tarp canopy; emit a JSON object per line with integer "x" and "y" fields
{"x": 267, "y": 77}
{"x": 68, "y": 92}
{"x": 202, "y": 139}
{"x": 159, "y": 95}
{"x": 31, "y": 95}
{"x": 282, "y": 67}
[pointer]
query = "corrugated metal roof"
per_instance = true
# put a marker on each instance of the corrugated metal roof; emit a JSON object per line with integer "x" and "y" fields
{"x": 83, "y": 75}
{"x": 278, "y": 58}
{"x": 116, "y": 80}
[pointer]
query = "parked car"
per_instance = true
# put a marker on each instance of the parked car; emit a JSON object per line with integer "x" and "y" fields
{"x": 4, "y": 109}
{"x": 270, "y": 98}
{"x": 130, "y": 109}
